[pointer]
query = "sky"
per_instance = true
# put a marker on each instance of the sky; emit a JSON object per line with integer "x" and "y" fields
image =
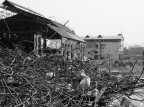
{"x": 95, "y": 17}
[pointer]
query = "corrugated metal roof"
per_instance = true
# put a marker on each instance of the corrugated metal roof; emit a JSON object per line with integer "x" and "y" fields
{"x": 66, "y": 32}
{"x": 17, "y": 8}
{"x": 75, "y": 37}
{"x": 13, "y": 7}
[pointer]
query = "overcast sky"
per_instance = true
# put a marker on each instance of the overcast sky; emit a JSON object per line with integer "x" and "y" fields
{"x": 95, "y": 17}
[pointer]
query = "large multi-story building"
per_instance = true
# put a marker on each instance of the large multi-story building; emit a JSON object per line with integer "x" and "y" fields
{"x": 99, "y": 47}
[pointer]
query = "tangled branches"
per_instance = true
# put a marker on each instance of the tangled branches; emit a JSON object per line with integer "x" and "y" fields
{"x": 52, "y": 81}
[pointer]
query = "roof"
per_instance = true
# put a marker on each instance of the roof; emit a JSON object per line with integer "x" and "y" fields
{"x": 15, "y": 8}
{"x": 104, "y": 37}
{"x": 136, "y": 46}
{"x": 66, "y": 32}
{"x": 18, "y": 9}
{"x": 61, "y": 29}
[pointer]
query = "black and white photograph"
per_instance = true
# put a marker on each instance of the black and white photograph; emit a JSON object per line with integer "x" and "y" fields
{"x": 71, "y": 53}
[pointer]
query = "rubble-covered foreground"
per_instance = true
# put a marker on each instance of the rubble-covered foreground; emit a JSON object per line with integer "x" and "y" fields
{"x": 27, "y": 80}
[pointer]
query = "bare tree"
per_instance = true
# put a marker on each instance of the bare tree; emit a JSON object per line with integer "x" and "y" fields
{"x": 53, "y": 81}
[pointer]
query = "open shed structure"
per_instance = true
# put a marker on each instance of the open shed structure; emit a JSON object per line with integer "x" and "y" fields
{"x": 19, "y": 25}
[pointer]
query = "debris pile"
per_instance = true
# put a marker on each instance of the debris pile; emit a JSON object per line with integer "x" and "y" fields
{"x": 53, "y": 81}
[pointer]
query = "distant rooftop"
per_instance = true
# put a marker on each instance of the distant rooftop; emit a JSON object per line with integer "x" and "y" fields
{"x": 87, "y": 37}
{"x": 136, "y": 46}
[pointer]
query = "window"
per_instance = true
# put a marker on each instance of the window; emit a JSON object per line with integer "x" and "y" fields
{"x": 103, "y": 46}
{"x": 89, "y": 45}
{"x": 96, "y": 45}
{"x": 88, "y": 52}
{"x": 95, "y": 52}
{"x": 96, "y": 56}
{"x": 84, "y": 46}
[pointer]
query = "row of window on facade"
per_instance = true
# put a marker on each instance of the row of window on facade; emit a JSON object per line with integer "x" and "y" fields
{"x": 96, "y": 46}
{"x": 69, "y": 48}
{"x": 106, "y": 40}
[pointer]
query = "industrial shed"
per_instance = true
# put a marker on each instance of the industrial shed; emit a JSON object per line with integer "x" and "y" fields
{"x": 33, "y": 31}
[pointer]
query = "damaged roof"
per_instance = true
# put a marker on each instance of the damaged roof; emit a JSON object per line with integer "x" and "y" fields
{"x": 8, "y": 5}
{"x": 66, "y": 32}
{"x": 57, "y": 27}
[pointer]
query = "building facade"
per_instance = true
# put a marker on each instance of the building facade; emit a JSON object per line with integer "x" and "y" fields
{"x": 101, "y": 47}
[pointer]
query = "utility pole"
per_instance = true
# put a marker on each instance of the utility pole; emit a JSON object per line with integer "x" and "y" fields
{"x": 100, "y": 49}
{"x": 143, "y": 60}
